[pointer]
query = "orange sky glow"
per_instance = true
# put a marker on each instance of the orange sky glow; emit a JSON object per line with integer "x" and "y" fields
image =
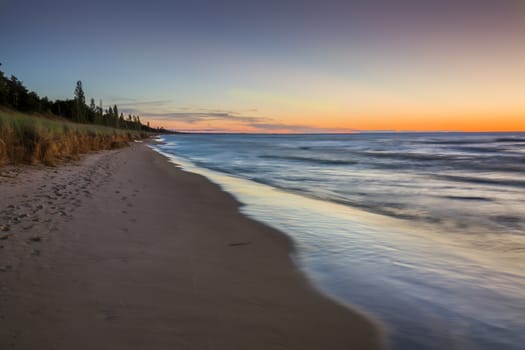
{"x": 295, "y": 66}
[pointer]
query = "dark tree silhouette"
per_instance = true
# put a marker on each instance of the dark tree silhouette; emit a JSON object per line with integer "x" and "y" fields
{"x": 14, "y": 95}
{"x": 3, "y": 89}
{"x": 79, "y": 112}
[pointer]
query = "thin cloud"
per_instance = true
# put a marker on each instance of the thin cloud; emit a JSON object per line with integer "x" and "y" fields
{"x": 253, "y": 123}
{"x": 130, "y": 102}
{"x": 295, "y": 128}
{"x": 200, "y": 116}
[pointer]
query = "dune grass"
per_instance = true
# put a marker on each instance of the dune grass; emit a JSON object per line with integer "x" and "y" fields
{"x": 37, "y": 139}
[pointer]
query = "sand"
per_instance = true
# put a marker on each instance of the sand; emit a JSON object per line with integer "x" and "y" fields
{"x": 122, "y": 250}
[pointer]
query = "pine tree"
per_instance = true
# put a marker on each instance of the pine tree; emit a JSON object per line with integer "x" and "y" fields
{"x": 100, "y": 113}
{"x": 139, "y": 124}
{"x": 122, "y": 121}
{"x": 115, "y": 116}
{"x": 3, "y": 88}
{"x": 79, "y": 111}
{"x": 15, "y": 92}
{"x": 92, "y": 115}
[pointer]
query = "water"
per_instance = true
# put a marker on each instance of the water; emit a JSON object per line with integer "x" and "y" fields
{"x": 426, "y": 232}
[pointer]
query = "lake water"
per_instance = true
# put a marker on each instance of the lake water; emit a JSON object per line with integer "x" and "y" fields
{"x": 424, "y": 232}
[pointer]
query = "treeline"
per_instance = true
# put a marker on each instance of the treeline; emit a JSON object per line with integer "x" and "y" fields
{"x": 14, "y": 95}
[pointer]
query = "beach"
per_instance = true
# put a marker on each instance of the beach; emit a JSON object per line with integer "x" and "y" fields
{"x": 123, "y": 250}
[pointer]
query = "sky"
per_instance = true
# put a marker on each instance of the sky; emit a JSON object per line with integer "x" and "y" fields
{"x": 277, "y": 65}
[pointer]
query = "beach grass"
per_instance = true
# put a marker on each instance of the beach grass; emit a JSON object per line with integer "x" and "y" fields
{"x": 35, "y": 139}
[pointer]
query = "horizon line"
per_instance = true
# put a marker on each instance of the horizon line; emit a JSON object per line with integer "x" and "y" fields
{"x": 349, "y": 132}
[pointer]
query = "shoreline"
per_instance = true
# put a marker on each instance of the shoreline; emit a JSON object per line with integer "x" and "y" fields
{"x": 294, "y": 253}
{"x": 427, "y": 286}
{"x": 142, "y": 254}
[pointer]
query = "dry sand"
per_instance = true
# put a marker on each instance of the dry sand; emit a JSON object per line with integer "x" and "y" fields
{"x": 122, "y": 250}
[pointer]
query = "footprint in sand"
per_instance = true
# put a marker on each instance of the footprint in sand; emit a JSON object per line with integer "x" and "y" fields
{"x": 108, "y": 315}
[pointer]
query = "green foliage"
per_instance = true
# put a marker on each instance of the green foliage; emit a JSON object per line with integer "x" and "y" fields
{"x": 79, "y": 106}
{"x": 3, "y": 89}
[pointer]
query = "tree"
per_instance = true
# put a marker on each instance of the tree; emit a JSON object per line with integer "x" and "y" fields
{"x": 45, "y": 105}
{"x": 79, "y": 112}
{"x": 115, "y": 116}
{"x": 122, "y": 121}
{"x": 3, "y": 88}
{"x": 100, "y": 108}
{"x": 139, "y": 123}
{"x": 31, "y": 102}
{"x": 92, "y": 112}
{"x": 16, "y": 92}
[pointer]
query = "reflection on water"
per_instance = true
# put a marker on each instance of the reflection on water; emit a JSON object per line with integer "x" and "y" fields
{"x": 431, "y": 290}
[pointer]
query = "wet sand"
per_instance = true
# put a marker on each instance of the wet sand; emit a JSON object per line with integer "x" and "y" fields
{"x": 122, "y": 250}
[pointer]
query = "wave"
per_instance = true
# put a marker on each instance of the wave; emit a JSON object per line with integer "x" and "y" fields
{"x": 410, "y": 156}
{"x": 469, "y": 198}
{"x": 487, "y": 140}
{"x": 510, "y": 139}
{"x": 479, "y": 149}
{"x": 492, "y": 162}
{"x": 454, "y": 142}
{"x": 481, "y": 180}
{"x": 311, "y": 159}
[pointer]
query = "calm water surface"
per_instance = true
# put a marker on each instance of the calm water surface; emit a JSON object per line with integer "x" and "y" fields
{"x": 425, "y": 232}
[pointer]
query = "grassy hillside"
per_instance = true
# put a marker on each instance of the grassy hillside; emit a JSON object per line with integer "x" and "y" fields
{"x": 35, "y": 139}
